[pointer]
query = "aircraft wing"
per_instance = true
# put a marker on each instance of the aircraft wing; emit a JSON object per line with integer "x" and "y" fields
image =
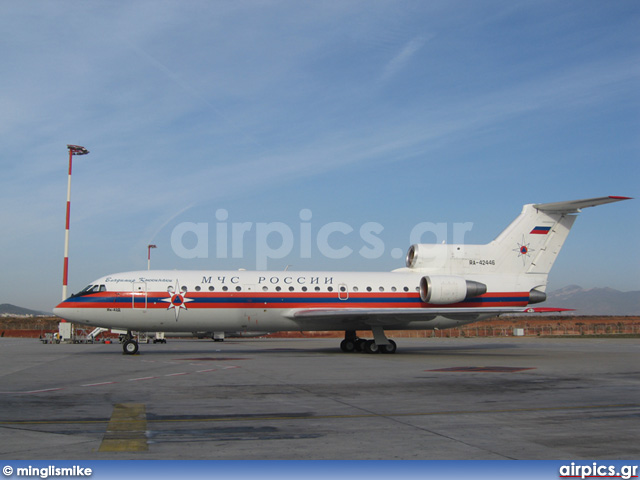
{"x": 366, "y": 317}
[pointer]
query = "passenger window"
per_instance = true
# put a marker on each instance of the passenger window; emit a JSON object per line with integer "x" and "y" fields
{"x": 198, "y": 288}
{"x": 368, "y": 289}
{"x": 211, "y": 289}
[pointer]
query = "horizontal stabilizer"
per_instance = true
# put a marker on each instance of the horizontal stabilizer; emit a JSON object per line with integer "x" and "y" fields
{"x": 574, "y": 206}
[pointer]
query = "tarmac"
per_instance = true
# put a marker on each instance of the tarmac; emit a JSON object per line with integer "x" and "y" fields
{"x": 437, "y": 398}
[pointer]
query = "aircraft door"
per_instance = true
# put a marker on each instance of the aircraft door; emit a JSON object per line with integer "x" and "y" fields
{"x": 139, "y": 296}
{"x": 252, "y": 310}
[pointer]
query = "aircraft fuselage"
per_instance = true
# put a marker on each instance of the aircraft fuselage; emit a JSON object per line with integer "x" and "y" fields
{"x": 266, "y": 301}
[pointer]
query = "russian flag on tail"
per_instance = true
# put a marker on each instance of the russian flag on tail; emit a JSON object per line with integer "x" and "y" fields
{"x": 540, "y": 230}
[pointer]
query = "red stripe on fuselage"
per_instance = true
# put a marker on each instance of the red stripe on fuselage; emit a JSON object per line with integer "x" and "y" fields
{"x": 282, "y": 300}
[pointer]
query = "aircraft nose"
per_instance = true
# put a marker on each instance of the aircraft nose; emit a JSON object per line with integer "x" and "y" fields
{"x": 61, "y": 309}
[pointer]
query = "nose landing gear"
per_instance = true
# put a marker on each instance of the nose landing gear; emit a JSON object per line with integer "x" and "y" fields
{"x": 129, "y": 344}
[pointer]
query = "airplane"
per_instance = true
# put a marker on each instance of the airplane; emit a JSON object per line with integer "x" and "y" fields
{"x": 442, "y": 286}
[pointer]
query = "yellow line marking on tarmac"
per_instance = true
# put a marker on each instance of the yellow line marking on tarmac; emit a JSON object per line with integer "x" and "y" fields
{"x": 127, "y": 429}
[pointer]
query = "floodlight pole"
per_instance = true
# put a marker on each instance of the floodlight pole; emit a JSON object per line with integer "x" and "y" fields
{"x": 149, "y": 247}
{"x": 73, "y": 150}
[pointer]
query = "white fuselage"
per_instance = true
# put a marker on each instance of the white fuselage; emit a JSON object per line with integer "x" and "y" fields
{"x": 179, "y": 301}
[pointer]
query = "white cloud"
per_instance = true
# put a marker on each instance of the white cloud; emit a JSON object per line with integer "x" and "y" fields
{"x": 403, "y": 57}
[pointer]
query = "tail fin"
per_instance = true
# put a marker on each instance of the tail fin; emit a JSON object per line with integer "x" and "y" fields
{"x": 530, "y": 245}
{"x": 533, "y": 240}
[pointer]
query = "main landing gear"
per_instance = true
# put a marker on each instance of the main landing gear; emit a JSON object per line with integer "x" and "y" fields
{"x": 129, "y": 344}
{"x": 380, "y": 343}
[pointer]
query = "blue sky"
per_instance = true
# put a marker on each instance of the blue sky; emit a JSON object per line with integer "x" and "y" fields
{"x": 353, "y": 111}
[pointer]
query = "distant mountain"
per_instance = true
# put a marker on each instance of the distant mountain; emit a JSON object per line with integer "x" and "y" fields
{"x": 8, "y": 309}
{"x": 595, "y": 301}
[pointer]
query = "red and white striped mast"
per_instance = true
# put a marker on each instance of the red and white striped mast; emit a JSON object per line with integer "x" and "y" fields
{"x": 149, "y": 247}
{"x": 73, "y": 150}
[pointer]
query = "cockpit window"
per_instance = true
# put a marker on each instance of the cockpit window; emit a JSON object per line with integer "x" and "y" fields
{"x": 86, "y": 290}
{"x": 89, "y": 289}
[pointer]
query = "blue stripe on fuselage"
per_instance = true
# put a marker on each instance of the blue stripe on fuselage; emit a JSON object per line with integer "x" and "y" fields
{"x": 279, "y": 299}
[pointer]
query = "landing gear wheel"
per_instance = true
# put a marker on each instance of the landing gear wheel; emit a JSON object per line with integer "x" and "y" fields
{"x": 370, "y": 346}
{"x": 360, "y": 342}
{"x": 391, "y": 348}
{"x": 130, "y": 347}
{"x": 348, "y": 346}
